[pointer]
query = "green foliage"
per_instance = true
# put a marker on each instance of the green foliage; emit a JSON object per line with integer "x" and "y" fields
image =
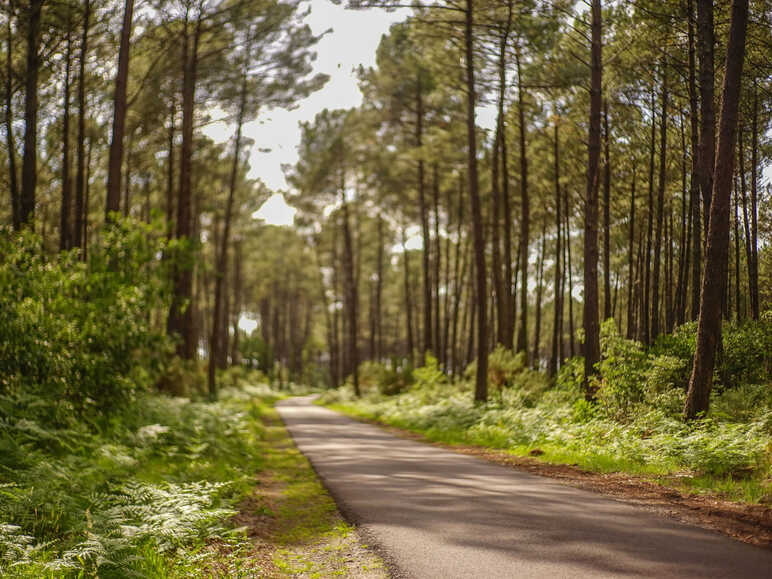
{"x": 80, "y": 335}
{"x": 747, "y": 357}
{"x": 503, "y": 366}
{"x": 162, "y": 479}
{"x": 635, "y": 425}
{"x": 430, "y": 374}
{"x": 622, "y": 367}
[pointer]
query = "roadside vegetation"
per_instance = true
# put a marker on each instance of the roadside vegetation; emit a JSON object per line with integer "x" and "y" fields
{"x": 103, "y": 475}
{"x": 636, "y": 425}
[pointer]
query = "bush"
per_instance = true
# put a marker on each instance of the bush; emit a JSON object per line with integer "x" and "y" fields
{"x": 81, "y": 335}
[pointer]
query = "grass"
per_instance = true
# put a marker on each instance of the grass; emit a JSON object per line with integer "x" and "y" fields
{"x": 729, "y": 460}
{"x": 173, "y": 489}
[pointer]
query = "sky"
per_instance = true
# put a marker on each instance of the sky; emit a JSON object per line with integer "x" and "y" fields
{"x": 352, "y": 42}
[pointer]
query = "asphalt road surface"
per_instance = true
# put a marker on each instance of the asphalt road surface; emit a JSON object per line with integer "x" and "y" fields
{"x": 436, "y": 513}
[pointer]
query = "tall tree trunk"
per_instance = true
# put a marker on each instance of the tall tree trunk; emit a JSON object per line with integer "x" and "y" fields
{"x": 80, "y": 169}
{"x": 408, "y": 300}
{"x": 498, "y": 283}
{"x": 221, "y": 271}
{"x": 436, "y": 341}
{"x": 127, "y": 177}
{"x": 87, "y": 198}
{"x": 669, "y": 285}
{"x": 552, "y": 369}
{"x": 120, "y": 107}
{"x": 569, "y": 268}
{"x": 754, "y": 242}
{"x": 539, "y": 292}
{"x": 29, "y": 161}
{"x": 525, "y": 218}
{"x": 606, "y": 216}
{"x": 170, "y": 166}
{"x": 425, "y": 236}
{"x": 705, "y": 47}
{"x": 458, "y": 276}
{"x": 181, "y": 314}
{"x": 507, "y": 297}
{"x": 645, "y": 311}
{"x": 746, "y": 221}
{"x": 379, "y": 293}
{"x": 481, "y": 379}
{"x": 65, "y": 225}
{"x": 590, "y": 314}
{"x": 709, "y": 325}
{"x": 10, "y": 142}
{"x": 737, "y": 301}
{"x": 684, "y": 240}
{"x": 351, "y": 291}
{"x": 694, "y": 178}
{"x": 630, "y": 260}
{"x": 655, "y": 317}
{"x": 236, "y": 312}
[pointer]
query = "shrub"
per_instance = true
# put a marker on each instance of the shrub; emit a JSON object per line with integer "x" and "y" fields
{"x": 82, "y": 335}
{"x": 622, "y": 367}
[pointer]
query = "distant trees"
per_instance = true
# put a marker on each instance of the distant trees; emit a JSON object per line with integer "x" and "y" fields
{"x": 482, "y": 122}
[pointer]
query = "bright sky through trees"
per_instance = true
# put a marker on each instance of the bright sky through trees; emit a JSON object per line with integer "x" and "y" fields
{"x": 354, "y": 35}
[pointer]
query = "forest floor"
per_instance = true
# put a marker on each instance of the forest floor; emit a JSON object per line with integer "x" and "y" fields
{"x": 664, "y": 495}
{"x": 291, "y": 521}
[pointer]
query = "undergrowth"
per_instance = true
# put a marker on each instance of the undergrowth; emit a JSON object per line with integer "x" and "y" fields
{"x": 140, "y": 498}
{"x": 635, "y": 426}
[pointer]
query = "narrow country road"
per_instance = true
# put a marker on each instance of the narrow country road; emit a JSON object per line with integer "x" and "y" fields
{"x": 436, "y": 513}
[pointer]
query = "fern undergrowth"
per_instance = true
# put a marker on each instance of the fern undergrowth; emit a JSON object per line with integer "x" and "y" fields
{"x": 142, "y": 497}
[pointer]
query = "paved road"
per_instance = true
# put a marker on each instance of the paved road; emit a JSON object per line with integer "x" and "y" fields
{"x": 436, "y": 513}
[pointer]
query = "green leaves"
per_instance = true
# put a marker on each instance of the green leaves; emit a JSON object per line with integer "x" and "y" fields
{"x": 80, "y": 333}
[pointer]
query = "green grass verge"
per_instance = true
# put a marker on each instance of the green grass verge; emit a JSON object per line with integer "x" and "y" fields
{"x": 666, "y": 471}
{"x": 173, "y": 489}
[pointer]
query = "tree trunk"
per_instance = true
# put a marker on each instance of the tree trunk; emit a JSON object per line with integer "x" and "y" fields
{"x": 522, "y": 333}
{"x": 645, "y": 311}
{"x": 738, "y": 309}
{"x": 379, "y": 293}
{"x": 705, "y": 46}
{"x": 746, "y": 221}
{"x": 552, "y": 370}
{"x": 591, "y": 322}
{"x": 408, "y": 300}
{"x": 221, "y": 271}
{"x": 120, "y": 107}
{"x": 498, "y": 283}
{"x": 569, "y": 268}
{"x": 754, "y": 242}
{"x": 351, "y": 292}
{"x": 10, "y": 142}
{"x": 606, "y": 216}
{"x": 436, "y": 341}
{"x": 170, "y": 167}
{"x": 29, "y": 160}
{"x": 80, "y": 170}
{"x": 694, "y": 178}
{"x": 655, "y": 317}
{"x": 65, "y": 225}
{"x": 684, "y": 240}
{"x": 236, "y": 313}
{"x": 181, "y": 314}
{"x": 481, "y": 379}
{"x": 425, "y": 236}
{"x": 458, "y": 277}
{"x": 630, "y": 260}
{"x": 709, "y": 325}
{"x": 539, "y": 293}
